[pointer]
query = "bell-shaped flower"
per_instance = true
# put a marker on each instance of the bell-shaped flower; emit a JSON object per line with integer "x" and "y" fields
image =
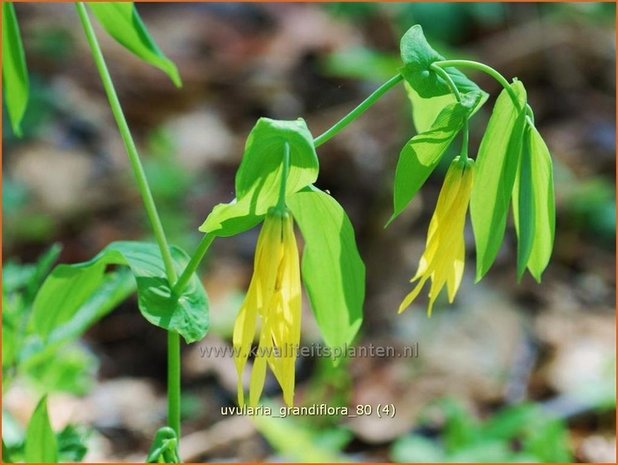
{"x": 444, "y": 257}
{"x": 273, "y": 298}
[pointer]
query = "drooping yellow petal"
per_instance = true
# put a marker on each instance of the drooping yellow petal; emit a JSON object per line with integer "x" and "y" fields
{"x": 456, "y": 272}
{"x": 274, "y": 296}
{"x": 258, "y": 374}
{"x": 244, "y": 331}
{"x": 413, "y": 294}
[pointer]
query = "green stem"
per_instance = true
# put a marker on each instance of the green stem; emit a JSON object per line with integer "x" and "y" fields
{"x": 125, "y": 133}
{"x": 444, "y": 75}
{"x": 191, "y": 267}
{"x": 150, "y": 207}
{"x": 466, "y": 127}
{"x": 280, "y": 207}
{"x": 485, "y": 69}
{"x": 359, "y": 110}
{"x": 173, "y": 382}
{"x": 466, "y": 139}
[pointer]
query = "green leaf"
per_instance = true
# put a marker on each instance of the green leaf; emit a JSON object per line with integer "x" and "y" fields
{"x": 548, "y": 441}
{"x": 114, "y": 288}
{"x": 122, "y": 21}
{"x": 414, "y": 449}
{"x": 14, "y": 70}
{"x": 523, "y": 206}
{"x": 41, "y": 270}
{"x": 69, "y": 287}
{"x": 332, "y": 269}
{"x": 65, "y": 290}
{"x": 293, "y": 440}
{"x": 71, "y": 369}
{"x": 509, "y": 422}
{"x": 421, "y": 154}
{"x": 533, "y": 205}
{"x": 6, "y": 455}
{"x": 41, "y": 445}
{"x": 496, "y": 167}
{"x": 544, "y": 204}
{"x": 418, "y": 56}
{"x": 258, "y": 178}
{"x": 426, "y": 110}
{"x": 361, "y": 63}
{"x": 72, "y": 444}
{"x": 229, "y": 219}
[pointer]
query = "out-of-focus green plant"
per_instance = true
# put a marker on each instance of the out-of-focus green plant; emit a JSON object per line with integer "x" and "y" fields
{"x": 39, "y": 443}
{"x": 591, "y": 208}
{"x": 164, "y": 448}
{"x": 276, "y": 185}
{"x": 522, "y": 433}
{"x": 51, "y": 360}
{"x": 296, "y": 440}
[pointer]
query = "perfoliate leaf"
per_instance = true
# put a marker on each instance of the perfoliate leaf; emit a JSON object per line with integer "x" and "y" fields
{"x": 122, "y": 21}
{"x": 40, "y": 445}
{"x": 418, "y": 56}
{"x": 425, "y": 110}
{"x": 421, "y": 154}
{"x": 332, "y": 269}
{"x": 523, "y": 206}
{"x": 258, "y": 178}
{"x": 229, "y": 219}
{"x": 544, "y": 204}
{"x": 496, "y": 167}
{"x": 14, "y": 70}
{"x": 69, "y": 287}
{"x": 262, "y": 161}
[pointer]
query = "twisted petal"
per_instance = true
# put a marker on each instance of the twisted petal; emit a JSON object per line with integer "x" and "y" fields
{"x": 444, "y": 255}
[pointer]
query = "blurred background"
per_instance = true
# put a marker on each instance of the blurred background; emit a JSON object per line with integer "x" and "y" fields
{"x": 508, "y": 372}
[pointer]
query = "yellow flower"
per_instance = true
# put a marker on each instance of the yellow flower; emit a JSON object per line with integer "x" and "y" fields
{"x": 274, "y": 297}
{"x": 444, "y": 256}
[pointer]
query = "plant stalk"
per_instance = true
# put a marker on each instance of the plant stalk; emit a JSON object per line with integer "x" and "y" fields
{"x": 173, "y": 338}
{"x": 485, "y": 69}
{"x": 466, "y": 126}
{"x": 359, "y": 110}
{"x": 195, "y": 261}
{"x": 285, "y": 169}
